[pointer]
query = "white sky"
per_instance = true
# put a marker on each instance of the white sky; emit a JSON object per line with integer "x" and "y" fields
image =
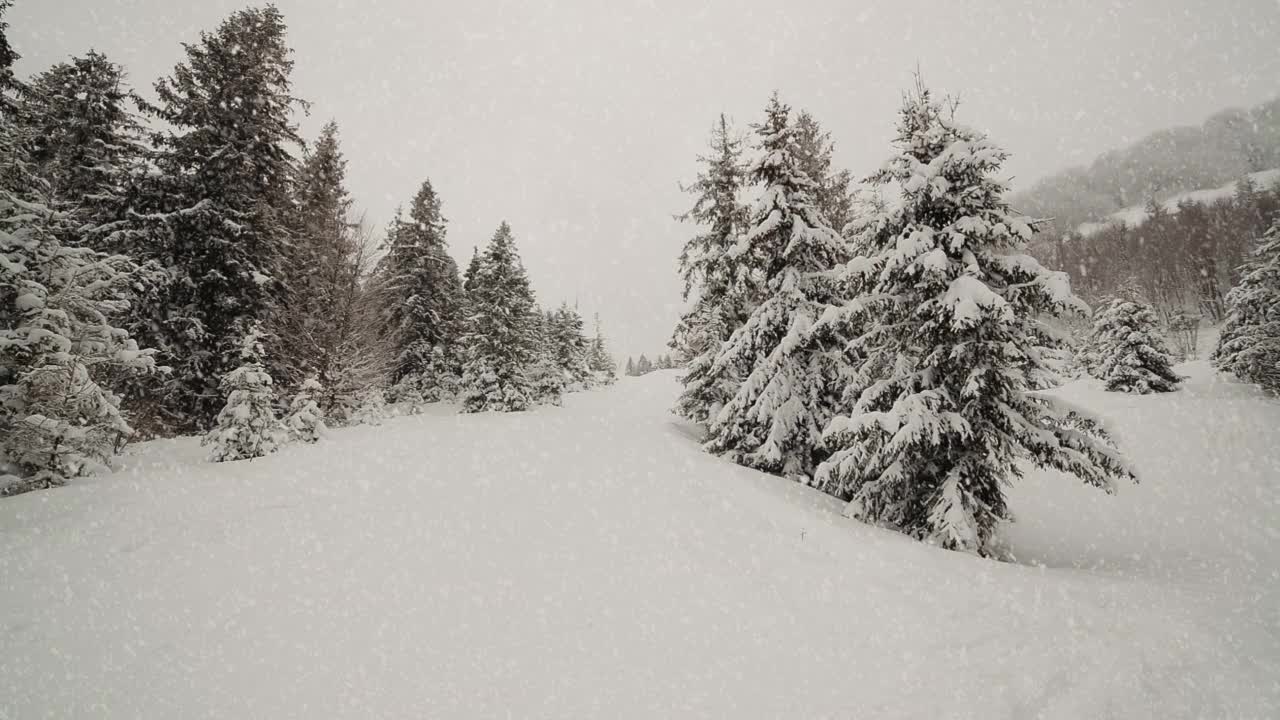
{"x": 576, "y": 120}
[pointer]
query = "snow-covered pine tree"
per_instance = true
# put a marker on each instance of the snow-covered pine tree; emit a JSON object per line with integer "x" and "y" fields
{"x": 500, "y": 344}
{"x": 1249, "y": 346}
{"x": 720, "y": 286}
{"x": 87, "y": 145}
{"x": 643, "y": 366}
{"x": 305, "y": 421}
{"x": 320, "y": 264}
{"x": 947, "y": 311}
{"x": 372, "y": 408}
{"x": 247, "y": 426}
{"x": 832, "y": 193}
{"x": 426, "y": 304}
{"x": 775, "y": 418}
{"x": 601, "y": 362}
{"x": 56, "y": 341}
{"x": 222, "y": 184}
{"x": 547, "y": 377}
{"x": 631, "y": 366}
{"x": 1127, "y": 351}
{"x": 571, "y": 349}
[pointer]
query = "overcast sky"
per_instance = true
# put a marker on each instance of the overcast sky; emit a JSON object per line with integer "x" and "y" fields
{"x": 575, "y": 121}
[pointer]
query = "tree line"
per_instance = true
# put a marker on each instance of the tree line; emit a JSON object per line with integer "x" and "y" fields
{"x": 192, "y": 265}
{"x": 888, "y": 342}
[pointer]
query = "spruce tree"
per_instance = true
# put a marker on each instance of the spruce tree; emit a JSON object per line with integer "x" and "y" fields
{"x": 223, "y": 176}
{"x": 305, "y": 421}
{"x": 600, "y": 361}
{"x": 947, "y": 313}
{"x": 571, "y": 349}
{"x": 721, "y": 286}
{"x": 321, "y": 263}
{"x": 500, "y": 344}
{"x": 643, "y": 365}
{"x": 832, "y": 194}
{"x": 631, "y": 366}
{"x": 775, "y": 418}
{"x": 247, "y": 426}
{"x": 1249, "y": 346}
{"x": 87, "y": 146}
{"x": 58, "y": 301}
{"x": 1126, "y": 350}
{"x": 426, "y": 309}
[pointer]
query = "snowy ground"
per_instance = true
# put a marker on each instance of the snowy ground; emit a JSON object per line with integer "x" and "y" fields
{"x": 590, "y": 561}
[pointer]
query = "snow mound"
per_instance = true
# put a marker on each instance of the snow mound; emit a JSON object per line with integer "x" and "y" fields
{"x": 591, "y": 561}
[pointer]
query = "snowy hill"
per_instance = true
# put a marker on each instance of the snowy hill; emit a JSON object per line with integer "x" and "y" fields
{"x": 590, "y": 561}
{"x": 1136, "y": 215}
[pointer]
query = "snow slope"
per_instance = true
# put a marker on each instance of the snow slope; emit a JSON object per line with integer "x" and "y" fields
{"x": 1135, "y": 215}
{"x": 590, "y": 561}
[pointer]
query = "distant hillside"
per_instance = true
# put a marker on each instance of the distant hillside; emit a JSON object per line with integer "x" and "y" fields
{"x": 1136, "y": 215}
{"x": 1228, "y": 146}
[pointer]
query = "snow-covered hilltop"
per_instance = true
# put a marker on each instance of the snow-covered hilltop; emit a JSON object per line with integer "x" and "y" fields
{"x": 1136, "y": 215}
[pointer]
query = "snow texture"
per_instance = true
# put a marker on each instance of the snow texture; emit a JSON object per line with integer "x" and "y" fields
{"x": 596, "y": 563}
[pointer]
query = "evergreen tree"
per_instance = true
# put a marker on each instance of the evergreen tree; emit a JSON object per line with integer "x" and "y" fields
{"x": 58, "y": 298}
{"x": 600, "y": 361}
{"x": 631, "y": 367}
{"x": 247, "y": 426}
{"x": 224, "y": 173}
{"x": 643, "y": 366}
{"x": 1249, "y": 346}
{"x": 305, "y": 422}
{"x": 832, "y": 194}
{"x": 371, "y": 409}
{"x": 57, "y": 342}
{"x": 722, "y": 287}
{"x": 501, "y": 336}
{"x": 571, "y": 350}
{"x": 947, "y": 312}
{"x": 320, "y": 264}
{"x": 426, "y": 305}
{"x": 1127, "y": 351}
{"x": 775, "y": 418}
{"x": 86, "y": 144}
{"x": 548, "y": 378}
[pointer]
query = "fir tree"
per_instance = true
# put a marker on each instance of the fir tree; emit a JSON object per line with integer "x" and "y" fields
{"x": 224, "y": 172}
{"x": 247, "y": 426}
{"x": 57, "y": 342}
{"x": 1127, "y": 351}
{"x": 86, "y": 144}
{"x": 643, "y": 365}
{"x": 371, "y": 409}
{"x": 599, "y": 359}
{"x": 775, "y": 418}
{"x": 720, "y": 284}
{"x": 501, "y": 334}
{"x": 305, "y": 422}
{"x": 631, "y": 366}
{"x": 426, "y": 301}
{"x": 832, "y": 193}
{"x": 571, "y": 350}
{"x": 1249, "y": 346}
{"x": 58, "y": 298}
{"x": 946, "y": 318}
{"x": 321, "y": 263}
